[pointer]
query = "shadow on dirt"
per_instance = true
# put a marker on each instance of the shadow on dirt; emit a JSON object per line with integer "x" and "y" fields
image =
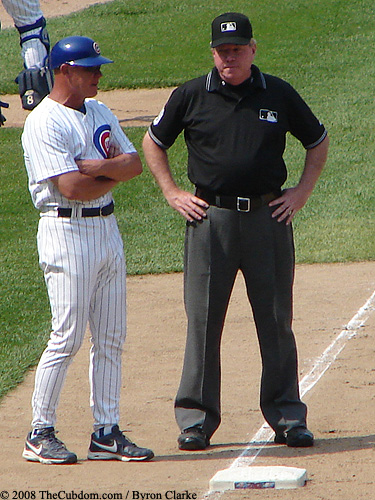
{"x": 321, "y": 447}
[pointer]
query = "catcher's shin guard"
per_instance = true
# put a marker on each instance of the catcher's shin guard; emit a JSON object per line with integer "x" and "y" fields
{"x": 36, "y": 31}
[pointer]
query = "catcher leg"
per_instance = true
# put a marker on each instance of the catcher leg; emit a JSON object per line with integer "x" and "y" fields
{"x": 36, "y": 80}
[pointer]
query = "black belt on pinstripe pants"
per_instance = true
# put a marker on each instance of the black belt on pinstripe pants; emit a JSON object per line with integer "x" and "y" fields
{"x": 88, "y": 212}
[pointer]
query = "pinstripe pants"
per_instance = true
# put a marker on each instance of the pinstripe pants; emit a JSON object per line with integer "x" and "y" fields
{"x": 215, "y": 250}
{"x": 85, "y": 274}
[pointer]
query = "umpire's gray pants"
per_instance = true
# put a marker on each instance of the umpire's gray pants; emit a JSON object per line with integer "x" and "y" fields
{"x": 215, "y": 250}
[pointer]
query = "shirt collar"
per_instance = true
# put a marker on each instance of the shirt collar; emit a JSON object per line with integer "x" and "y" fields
{"x": 214, "y": 82}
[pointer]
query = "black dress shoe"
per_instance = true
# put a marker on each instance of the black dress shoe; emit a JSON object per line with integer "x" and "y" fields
{"x": 280, "y": 438}
{"x": 297, "y": 437}
{"x": 193, "y": 438}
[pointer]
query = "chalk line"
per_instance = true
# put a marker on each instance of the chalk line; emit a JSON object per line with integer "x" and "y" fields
{"x": 320, "y": 366}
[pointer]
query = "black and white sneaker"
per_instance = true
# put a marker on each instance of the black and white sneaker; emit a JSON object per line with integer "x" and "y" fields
{"x": 115, "y": 446}
{"x": 47, "y": 449}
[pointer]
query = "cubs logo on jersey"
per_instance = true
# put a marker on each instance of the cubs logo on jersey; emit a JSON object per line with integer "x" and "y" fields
{"x": 101, "y": 139}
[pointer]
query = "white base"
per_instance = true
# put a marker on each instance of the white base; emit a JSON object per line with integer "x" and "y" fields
{"x": 238, "y": 478}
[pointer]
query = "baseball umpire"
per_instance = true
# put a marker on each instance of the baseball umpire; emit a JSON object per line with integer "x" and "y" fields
{"x": 36, "y": 79}
{"x": 235, "y": 120}
{"x": 75, "y": 154}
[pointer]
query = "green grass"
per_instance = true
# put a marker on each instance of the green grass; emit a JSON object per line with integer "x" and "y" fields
{"x": 153, "y": 232}
{"x": 325, "y": 49}
{"x": 164, "y": 42}
{"x": 24, "y": 314}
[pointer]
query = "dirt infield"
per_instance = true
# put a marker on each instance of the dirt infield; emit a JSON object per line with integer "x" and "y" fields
{"x": 132, "y": 107}
{"x": 51, "y": 8}
{"x": 341, "y": 405}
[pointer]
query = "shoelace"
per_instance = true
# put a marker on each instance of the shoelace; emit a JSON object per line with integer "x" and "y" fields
{"x": 124, "y": 440}
{"x": 53, "y": 440}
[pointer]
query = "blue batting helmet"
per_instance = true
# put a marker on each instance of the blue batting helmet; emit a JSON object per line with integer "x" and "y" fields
{"x": 77, "y": 51}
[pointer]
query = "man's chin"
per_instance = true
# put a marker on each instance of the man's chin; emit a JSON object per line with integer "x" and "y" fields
{"x": 231, "y": 79}
{"x": 93, "y": 93}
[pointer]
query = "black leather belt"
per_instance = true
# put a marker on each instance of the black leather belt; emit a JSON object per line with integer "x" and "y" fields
{"x": 88, "y": 212}
{"x": 239, "y": 203}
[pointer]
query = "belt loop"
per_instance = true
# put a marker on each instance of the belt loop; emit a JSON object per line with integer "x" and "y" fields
{"x": 76, "y": 212}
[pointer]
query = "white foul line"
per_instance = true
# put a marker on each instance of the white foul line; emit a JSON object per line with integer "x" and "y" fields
{"x": 321, "y": 365}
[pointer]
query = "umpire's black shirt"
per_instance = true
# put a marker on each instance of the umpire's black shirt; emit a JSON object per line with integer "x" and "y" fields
{"x": 236, "y": 135}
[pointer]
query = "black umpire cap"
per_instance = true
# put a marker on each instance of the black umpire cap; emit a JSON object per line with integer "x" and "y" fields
{"x": 231, "y": 27}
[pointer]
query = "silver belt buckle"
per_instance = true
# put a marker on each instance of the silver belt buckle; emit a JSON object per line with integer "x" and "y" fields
{"x": 243, "y": 204}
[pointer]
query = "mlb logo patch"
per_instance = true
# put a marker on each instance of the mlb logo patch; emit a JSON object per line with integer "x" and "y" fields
{"x": 229, "y": 26}
{"x": 268, "y": 115}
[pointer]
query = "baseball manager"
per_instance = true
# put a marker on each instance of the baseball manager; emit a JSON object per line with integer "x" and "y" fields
{"x": 75, "y": 154}
{"x": 235, "y": 120}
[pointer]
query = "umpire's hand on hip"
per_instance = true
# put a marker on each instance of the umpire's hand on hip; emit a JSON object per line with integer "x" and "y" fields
{"x": 188, "y": 205}
{"x": 289, "y": 203}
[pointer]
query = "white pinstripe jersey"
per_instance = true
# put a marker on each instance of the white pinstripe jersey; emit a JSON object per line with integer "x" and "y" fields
{"x": 55, "y": 136}
{"x": 23, "y": 12}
